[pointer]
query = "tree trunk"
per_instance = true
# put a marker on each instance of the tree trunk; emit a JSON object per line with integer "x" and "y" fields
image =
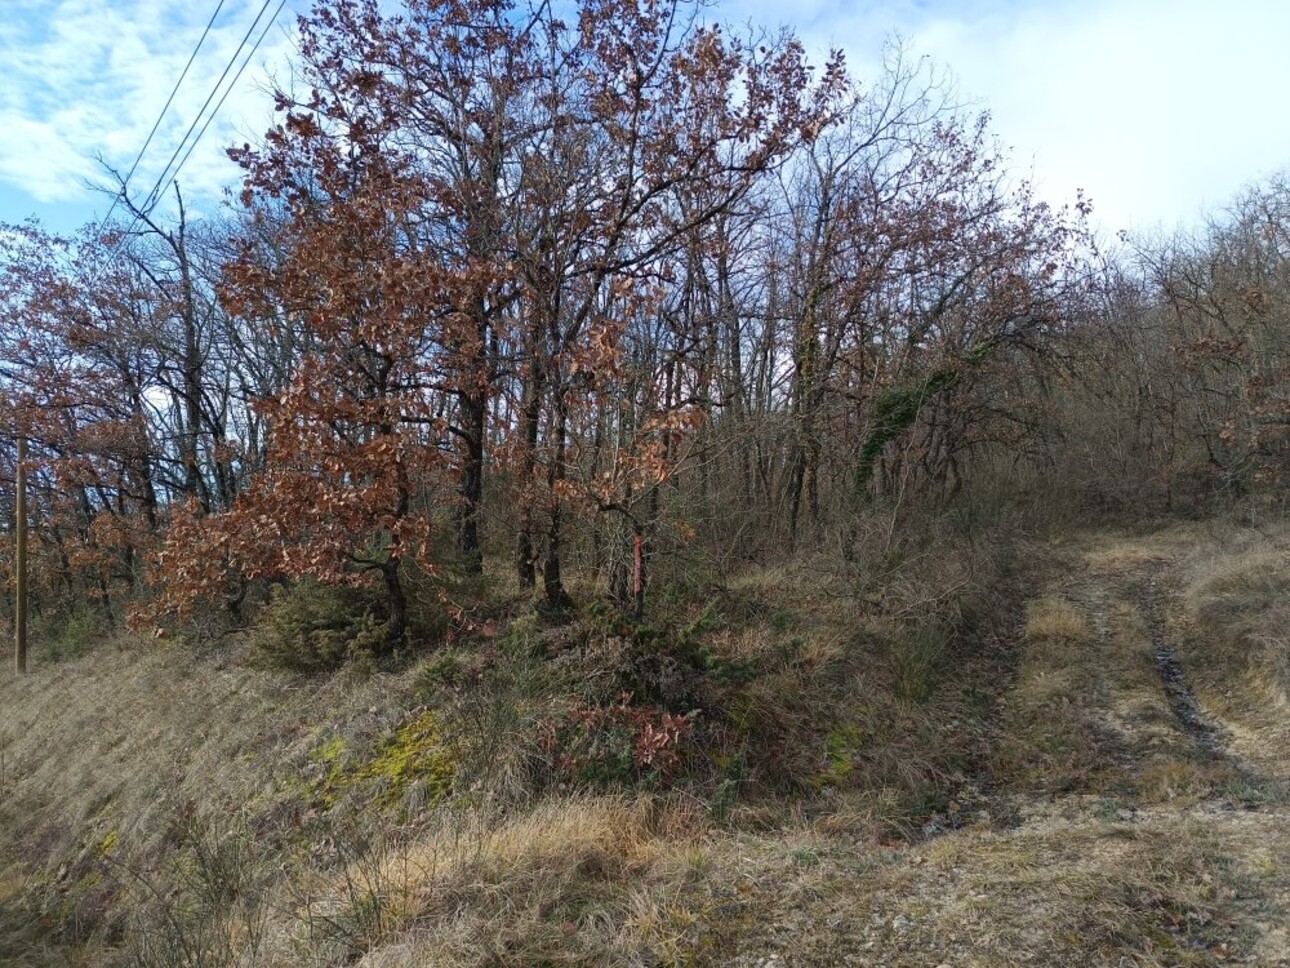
{"x": 552, "y": 585}
{"x": 474, "y": 408}
{"x": 396, "y": 629}
{"x": 530, "y": 415}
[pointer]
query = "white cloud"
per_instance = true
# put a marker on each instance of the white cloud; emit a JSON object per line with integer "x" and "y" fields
{"x": 34, "y": 155}
{"x": 88, "y": 78}
{"x": 1158, "y": 109}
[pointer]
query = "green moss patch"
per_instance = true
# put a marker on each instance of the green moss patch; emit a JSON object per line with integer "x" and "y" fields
{"x": 413, "y": 766}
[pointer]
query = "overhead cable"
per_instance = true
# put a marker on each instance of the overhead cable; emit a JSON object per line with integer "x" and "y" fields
{"x": 160, "y": 117}
{"x": 162, "y": 183}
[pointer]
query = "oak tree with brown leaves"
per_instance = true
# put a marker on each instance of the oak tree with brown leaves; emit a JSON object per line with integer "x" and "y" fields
{"x": 473, "y": 189}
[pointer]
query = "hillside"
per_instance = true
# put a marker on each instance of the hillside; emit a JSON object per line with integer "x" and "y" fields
{"x": 1101, "y": 782}
{"x": 611, "y": 489}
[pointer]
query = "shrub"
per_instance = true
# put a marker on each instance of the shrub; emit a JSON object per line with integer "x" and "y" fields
{"x": 311, "y": 627}
{"x": 663, "y": 665}
{"x": 73, "y": 632}
{"x": 620, "y": 744}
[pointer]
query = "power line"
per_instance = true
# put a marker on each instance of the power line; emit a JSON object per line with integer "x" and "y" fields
{"x": 153, "y": 196}
{"x": 160, "y": 117}
{"x": 227, "y": 91}
{"x": 162, "y": 184}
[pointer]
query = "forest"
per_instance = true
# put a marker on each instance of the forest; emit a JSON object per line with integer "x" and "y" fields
{"x": 591, "y": 408}
{"x": 587, "y": 297}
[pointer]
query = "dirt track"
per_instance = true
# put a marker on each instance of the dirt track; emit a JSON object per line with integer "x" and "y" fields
{"x": 1122, "y": 826}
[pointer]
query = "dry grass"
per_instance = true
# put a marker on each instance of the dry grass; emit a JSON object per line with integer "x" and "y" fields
{"x": 1120, "y": 553}
{"x": 1088, "y": 713}
{"x": 1088, "y": 893}
{"x": 609, "y": 890}
{"x": 1052, "y": 621}
{"x": 798, "y": 838}
{"x": 875, "y": 706}
{"x": 112, "y": 758}
{"x": 576, "y": 880}
{"x": 1050, "y": 738}
{"x": 1232, "y": 626}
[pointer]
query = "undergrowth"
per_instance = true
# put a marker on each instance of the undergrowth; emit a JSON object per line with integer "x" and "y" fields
{"x": 521, "y": 766}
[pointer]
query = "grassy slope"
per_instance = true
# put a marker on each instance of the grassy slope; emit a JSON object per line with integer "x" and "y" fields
{"x": 114, "y": 758}
{"x": 936, "y": 819}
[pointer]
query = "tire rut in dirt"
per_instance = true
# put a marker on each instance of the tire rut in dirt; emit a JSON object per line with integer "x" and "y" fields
{"x": 1208, "y": 736}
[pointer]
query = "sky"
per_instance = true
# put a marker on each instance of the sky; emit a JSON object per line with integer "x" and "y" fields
{"x": 1160, "y": 110}
{"x": 84, "y": 80}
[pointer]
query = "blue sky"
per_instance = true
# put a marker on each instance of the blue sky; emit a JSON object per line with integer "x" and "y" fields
{"x": 1157, "y": 108}
{"x": 88, "y": 78}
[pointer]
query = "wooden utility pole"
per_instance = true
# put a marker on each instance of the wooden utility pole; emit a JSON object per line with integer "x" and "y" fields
{"x": 20, "y": 559}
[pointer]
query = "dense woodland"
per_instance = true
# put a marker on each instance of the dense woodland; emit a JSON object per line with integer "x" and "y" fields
{"x": 605, "y": 301}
